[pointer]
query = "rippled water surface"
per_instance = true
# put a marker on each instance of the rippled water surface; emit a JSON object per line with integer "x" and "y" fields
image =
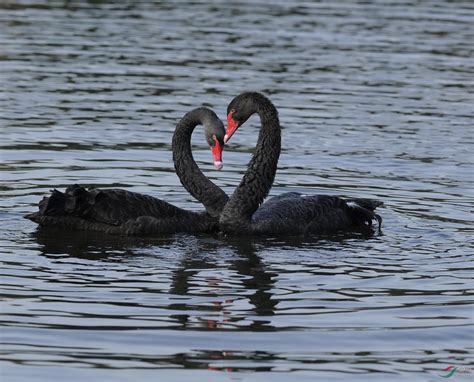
{"x": 375, "y": 100}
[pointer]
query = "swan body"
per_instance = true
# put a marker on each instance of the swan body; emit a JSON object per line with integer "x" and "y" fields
{"x": 294, "y": 214}
{"x": 116, "y": 211}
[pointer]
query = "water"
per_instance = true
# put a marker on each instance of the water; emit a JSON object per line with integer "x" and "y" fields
{"x": 375, "y": 100}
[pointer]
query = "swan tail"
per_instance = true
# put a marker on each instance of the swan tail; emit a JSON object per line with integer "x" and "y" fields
{"x": 73, "y": 202}
{"x": 362, "y": 211}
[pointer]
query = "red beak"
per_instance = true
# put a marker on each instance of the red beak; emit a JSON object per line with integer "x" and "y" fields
{"x": 217, "y": 154}
{"x": 232, "y": 127}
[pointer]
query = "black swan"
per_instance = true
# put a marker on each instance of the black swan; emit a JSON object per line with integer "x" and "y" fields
{"x": 291, "y": 213}
{"x": 123, "y": 212}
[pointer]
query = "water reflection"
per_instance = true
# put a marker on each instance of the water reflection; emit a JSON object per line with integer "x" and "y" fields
{"x": 199, "y": 267}
{"x": 216, "y": 283}
{"x": 89, "y": 245}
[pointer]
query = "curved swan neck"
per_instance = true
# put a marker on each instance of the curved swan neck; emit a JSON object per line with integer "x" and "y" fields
{"x": 191, "y": 177}
{"x": 258, "y": 179}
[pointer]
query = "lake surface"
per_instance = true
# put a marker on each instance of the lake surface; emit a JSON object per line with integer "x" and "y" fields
{"x": 375, "y": 100}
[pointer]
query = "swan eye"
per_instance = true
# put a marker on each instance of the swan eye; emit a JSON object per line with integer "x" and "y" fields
{"x": 213, "y": 140}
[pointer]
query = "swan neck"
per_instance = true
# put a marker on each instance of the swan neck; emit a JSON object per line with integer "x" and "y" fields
{"x": 190, "y": 175}
{"x": 258, "y": 179}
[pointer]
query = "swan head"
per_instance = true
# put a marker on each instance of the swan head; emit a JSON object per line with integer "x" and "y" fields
{"x": 214, "y": 131}
{"x": 240, "y": 109}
